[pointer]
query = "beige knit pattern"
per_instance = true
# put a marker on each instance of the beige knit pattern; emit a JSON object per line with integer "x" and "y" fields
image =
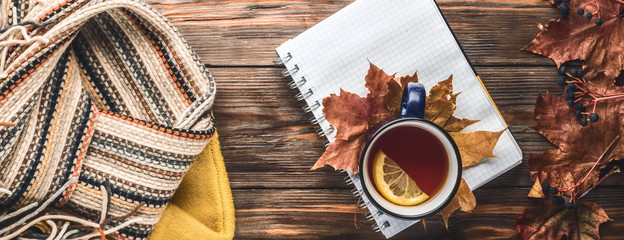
{"x": 115, "y": 98}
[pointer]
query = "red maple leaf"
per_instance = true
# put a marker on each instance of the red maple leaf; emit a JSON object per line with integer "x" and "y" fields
{"x": 576, "y": 37}
{"x": 352, "y": 116}
{"x": 579, "y": 147}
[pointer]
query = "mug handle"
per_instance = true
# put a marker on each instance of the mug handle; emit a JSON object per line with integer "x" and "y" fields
{"x": 413, "y": 101}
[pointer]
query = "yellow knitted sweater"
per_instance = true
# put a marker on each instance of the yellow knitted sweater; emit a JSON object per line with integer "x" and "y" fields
{"x": 202, "y": 207}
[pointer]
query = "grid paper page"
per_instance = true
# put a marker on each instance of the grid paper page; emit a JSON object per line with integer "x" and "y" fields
{"x": 400, "y": 36}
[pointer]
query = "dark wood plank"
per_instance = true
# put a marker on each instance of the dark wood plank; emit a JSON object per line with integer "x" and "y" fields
{"x": 328, "y": 214}
{"x": 268, "y": 142}
{"x": 233, "y": 33}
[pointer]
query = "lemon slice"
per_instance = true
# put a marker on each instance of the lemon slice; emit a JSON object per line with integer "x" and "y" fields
{"x": 394, "y": 184}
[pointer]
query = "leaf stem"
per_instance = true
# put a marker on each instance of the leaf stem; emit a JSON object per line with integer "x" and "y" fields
{"x": 609, "y": 97}
{"x": 568, "y": 189}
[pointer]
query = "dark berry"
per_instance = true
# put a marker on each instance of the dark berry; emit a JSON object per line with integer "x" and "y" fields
{"x": 593, "y": 117}
{"x": 554, "y": 190}
{"x": 598, "y": 21}
{"x": 561, "y": 80}
{"x": 570, "y": 102}
{"x": 564, "y": 9}
{"x": 562, "y": 70}
{"x": 557, "y": 200}
{"x": 578, "y": 106}
{"x": 574, "y": 205}
{"x": 569, "y": 96}
{"x": 583, "y": 122}
{"x": 589, "y": 15}
{"x": 570, "y": 86}
{"x": 545, "y": 187}
{"x": 578, "y": 113}
{"x": 580, "y": 11}
{"x": 576, "y": 72}
{"x": 567, "y": 205}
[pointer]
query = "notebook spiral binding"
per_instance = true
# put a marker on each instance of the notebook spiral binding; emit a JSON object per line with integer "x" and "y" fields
{"x": 286, "y": 72}
{"x": 303, "y": 95}
{"x": 378, "y": 228}
{"x": 296, "y": 84}
{"x": 312, "y": 107}
{"x": 369, "y": 216}
{"x": 280, "y": 61}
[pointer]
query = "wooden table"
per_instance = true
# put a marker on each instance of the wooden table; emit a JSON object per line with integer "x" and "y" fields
{"x": 269, "y": 145}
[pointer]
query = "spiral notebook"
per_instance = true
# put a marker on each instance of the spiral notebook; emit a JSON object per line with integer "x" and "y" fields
{"x": 400, "y": 36}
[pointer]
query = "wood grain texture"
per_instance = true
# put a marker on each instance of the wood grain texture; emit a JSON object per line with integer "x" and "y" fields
{"x": 269, "y": 145}
{"x": 329, "y": 213}
{"x": 226, "y": 33}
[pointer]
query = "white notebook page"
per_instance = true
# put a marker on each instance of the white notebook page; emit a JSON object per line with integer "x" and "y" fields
{"x": 400, "y": 36}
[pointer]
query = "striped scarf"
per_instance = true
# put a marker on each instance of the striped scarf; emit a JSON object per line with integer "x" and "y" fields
{"x": 106, "y": 105}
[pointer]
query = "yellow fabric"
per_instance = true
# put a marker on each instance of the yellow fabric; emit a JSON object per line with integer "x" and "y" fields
{"x": 202, "y": 207}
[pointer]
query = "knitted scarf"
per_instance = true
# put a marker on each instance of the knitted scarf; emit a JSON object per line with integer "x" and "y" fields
{"x": 104, "y": 109}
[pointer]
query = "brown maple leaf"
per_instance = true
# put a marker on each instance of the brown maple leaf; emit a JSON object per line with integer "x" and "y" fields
{"x": 352, "y": 116}
{"x": 576, "y": 37}
{"x": 441, "y": 97}
{"x": 464, "y": 200}
{"x": 392, "y": 96}
{"x": 341, "y": 153}
{"x": 579, "y": 147}
{"x": 376, "y": 81}
{"x": 553, "y": 222}
{"x": 475, "y": 146}
{"x": 457, "y": 124}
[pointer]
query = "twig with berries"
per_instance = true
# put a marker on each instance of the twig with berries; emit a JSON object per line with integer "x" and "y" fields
{"x": 564, "y": 9}
{"x": 578, "y": 95}
{"x": 558, "y": 193}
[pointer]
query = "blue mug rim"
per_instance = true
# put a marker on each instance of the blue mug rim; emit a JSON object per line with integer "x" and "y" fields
{"x": 431, "y": 212}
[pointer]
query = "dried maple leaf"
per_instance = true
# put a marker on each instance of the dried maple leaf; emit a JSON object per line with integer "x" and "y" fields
{"x": 464, "y": 200}
{"x": 441, "y": 102}
{"x": 352, "y": 116}
{"x": 475, "y": 146}
{"x": 457, "y": 124}
{"x": 376, "y": 81}
{"x": 579, "y": 147}
{"x": 439, "y": 111}
{"x": 576, "y": 37}
{"x": 441, "y": 97}
{"x": 553, "y": 222}
{"x": 395, "y": 91}
{"x": 340, "y": 154}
